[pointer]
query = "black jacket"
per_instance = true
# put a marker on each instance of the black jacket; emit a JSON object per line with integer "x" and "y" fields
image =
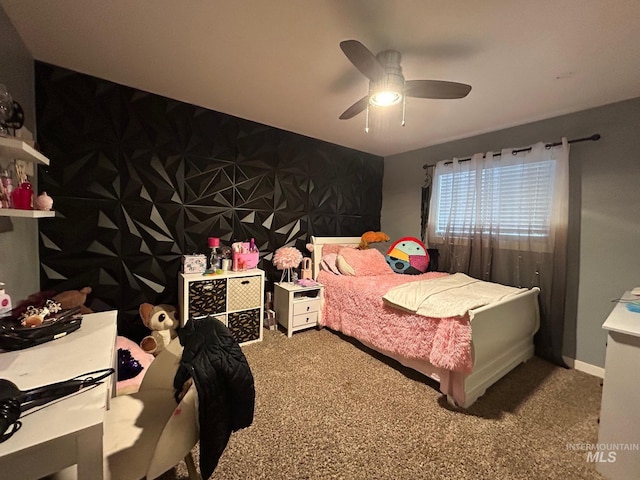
{"x": 226, "y": 392}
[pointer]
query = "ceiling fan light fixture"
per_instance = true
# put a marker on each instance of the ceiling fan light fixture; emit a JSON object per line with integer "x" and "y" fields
{"x": 387, "y": 85}
{"x": 386, "y": 92}
{"x": 385, "y": 98}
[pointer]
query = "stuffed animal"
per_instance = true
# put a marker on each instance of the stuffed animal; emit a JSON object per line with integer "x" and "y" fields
{"x": 74, "y": 298}
{"x": 408, "y": 255}
{"x": 163, "y": 323}
{"x": 372, "y": 237}
{"x": 67, "y": 299}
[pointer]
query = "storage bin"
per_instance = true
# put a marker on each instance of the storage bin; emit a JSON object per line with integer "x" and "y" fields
{"x": 194, "y": 263}
{"x": 245, "y": 261}
{"x": 244, "y": 293}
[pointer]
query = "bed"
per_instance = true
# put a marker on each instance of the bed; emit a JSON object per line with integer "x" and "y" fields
{"x": 465, "y": 353}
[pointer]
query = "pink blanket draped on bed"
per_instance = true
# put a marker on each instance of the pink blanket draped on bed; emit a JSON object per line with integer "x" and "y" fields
{"x": 354, "y": 306}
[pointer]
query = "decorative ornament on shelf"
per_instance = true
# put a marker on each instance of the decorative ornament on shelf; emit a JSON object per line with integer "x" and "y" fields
{"x": 44, "y": 202}
{"x": 23, "y": 196}
{"x": 286, "y": 259}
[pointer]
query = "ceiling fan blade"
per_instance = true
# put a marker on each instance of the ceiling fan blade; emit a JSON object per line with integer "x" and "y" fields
{"x": 363, "y": 59}
{"x": 435, "y": 89}
{"x": 355, "y": 109}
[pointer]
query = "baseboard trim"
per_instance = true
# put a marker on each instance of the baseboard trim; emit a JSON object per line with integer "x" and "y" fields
{"x": 584, "y": 367}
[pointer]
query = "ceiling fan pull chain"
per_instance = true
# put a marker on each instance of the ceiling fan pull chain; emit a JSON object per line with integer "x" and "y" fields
{"x": 404, "y": 107}
{"x": 366, "y": 122}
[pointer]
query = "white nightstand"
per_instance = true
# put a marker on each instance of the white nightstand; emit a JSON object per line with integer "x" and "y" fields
{"x": 297, "y": 308}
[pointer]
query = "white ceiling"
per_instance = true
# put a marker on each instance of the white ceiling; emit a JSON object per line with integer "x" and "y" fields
{"x": 278, "y": 62}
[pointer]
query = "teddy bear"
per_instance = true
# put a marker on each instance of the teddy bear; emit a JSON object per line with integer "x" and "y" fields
{"x": 163, "y": 322}
{"x": 74, "y": 298}
{"x": 372, "y": 237}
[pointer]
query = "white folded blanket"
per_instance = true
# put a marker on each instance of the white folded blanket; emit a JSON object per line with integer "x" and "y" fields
{"x": 450, "y": 296}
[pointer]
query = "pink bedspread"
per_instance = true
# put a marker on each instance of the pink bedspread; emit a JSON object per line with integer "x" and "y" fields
{"x": 354, "y": 306}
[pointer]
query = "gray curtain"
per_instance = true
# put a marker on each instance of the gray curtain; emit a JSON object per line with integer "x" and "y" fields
{"x": 480, "y": 241}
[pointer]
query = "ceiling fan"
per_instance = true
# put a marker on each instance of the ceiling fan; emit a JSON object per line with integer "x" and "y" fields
{"x": 387, "y": 85}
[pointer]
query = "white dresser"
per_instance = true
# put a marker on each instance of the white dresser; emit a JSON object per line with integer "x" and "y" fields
{"x": 619, "y": 430}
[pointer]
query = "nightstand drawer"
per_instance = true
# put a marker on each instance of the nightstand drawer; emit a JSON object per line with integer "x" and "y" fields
{"x": 310, "y": 318}
{"x": 306, "y": 306}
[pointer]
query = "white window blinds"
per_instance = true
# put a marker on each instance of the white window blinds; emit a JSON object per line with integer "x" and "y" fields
{"x": 501, "y": 198}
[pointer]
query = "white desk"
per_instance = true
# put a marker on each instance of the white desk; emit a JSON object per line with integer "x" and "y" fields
{"x": 619, "y": 418}
{"x": 67, "y": 431}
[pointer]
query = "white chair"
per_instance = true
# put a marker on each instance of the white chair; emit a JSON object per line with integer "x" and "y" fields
{"x": 146, "y": 433}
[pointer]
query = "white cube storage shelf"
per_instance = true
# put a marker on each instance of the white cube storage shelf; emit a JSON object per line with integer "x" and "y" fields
{"x": 234, "y": 298}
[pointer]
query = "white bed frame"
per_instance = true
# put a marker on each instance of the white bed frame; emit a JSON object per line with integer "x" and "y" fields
{"x": 501, "y": 338}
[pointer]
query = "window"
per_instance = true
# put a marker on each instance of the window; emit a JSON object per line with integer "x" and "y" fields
{"x": 507, "y": 199}
{"x": 503, "y": 217}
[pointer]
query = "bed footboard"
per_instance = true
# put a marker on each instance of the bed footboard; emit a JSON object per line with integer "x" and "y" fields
{"x": 501, "y": 338}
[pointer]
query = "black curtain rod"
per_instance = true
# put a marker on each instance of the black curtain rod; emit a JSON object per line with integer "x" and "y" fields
{"x": 595, "y": 137}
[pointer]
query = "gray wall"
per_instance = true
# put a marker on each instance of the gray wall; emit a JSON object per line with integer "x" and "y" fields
{"x": 18, "y": 236}
{"x": 604, "y": 242}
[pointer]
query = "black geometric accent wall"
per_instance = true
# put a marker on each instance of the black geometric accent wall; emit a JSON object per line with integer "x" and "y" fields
{"x": 138, "y": 180}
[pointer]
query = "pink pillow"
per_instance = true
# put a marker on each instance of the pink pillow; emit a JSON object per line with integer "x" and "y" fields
{"x": 328, "y": 263}
{"x": 331, "y": 248}
{"x": 360, "y": 263}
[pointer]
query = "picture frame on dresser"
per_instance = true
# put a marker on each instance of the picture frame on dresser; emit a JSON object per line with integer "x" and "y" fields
{"x": 234, "y": 298}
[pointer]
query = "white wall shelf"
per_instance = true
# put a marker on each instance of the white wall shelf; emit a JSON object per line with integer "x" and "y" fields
{"x": 14, "y": 212}
{"x": 15, "y": 148}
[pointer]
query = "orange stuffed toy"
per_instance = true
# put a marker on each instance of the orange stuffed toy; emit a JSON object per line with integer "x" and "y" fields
{"x": 372, "y": 237}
